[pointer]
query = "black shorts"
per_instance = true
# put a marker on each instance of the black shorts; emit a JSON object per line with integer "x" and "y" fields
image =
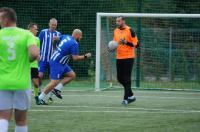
{"x": 34, "y": 73}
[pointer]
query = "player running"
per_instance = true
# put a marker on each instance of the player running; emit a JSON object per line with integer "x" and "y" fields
{"x": 17, "y": 49}
{"x": 67, "y": 47}
{"x": 33, "y": 28}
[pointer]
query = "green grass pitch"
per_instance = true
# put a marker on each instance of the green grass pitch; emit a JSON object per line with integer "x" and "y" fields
{"x": 89, "y": 111}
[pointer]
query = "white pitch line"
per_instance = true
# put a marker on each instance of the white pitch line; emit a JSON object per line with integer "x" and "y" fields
{"x": 139, "y": 91}
{"x": 123, "y": 108}
{"x": 76, "y": 111}
{"x": 85, "y": 95}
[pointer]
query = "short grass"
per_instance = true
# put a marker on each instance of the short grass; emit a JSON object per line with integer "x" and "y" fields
{"x": 89, "y": 111}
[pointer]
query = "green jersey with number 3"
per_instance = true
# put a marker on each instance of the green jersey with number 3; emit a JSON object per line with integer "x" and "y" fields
{"x": 14, "y": 58}
{"x": 35, "y": 63}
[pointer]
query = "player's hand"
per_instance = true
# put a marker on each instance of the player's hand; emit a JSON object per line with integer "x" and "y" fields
{"x": 122, "y": 41}
{"x": 56, "y": 38}
{"x": 87, "y": 55}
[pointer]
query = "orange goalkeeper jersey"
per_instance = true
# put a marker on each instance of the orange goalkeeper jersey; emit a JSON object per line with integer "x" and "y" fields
{"x": 125, "y": 51}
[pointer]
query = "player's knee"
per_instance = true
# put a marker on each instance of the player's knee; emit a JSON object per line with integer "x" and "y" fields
{"x": 73, "y": 75}
{"x": 21, "y": 122}
{"x": 40, "y": 75}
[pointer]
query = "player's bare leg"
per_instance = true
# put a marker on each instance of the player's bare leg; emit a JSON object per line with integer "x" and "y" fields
{"x": 68, "y": 77}
{"x": 48, "y": 89}
{"x": 21, "y": 121}
{"x": 5, "y": 116}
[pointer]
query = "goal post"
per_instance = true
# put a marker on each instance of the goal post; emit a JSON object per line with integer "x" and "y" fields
{"x": 147, "y": 16}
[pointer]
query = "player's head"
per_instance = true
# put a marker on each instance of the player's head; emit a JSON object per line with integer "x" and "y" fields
{"x": 8, "y": 17}
{"x": 53, "y": 24}
{"x": 32, "y": 27}
{"x": 77, "y": 34}
{"x": 120, "y": 21}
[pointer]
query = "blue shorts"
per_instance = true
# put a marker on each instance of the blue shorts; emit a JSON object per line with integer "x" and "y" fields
{"x": 43, "y": 66}
{"x": 57, "y": 70}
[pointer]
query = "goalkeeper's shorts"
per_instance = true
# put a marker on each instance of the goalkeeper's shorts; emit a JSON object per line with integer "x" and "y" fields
{"x": 57, "y": 70}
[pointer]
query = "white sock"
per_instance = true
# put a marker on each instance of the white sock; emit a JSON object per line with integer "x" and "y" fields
{"x": 59, "y": 86}
{"x": 132, "y": 97}
{"x": 21, "y": 128}
{"x": 50, "y": 94}
{"x": 42, "y": 96}
{"x": 3, "y": 125}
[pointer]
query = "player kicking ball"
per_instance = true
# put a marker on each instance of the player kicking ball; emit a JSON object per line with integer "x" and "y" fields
{"x": 59, "y": 68}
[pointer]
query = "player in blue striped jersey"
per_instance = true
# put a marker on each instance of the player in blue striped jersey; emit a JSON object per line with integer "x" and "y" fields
{"x": 47, "y": 38}
{"x": 59, "y": 68}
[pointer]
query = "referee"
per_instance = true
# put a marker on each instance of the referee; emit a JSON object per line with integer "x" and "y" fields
{"x": 127, "y": 40}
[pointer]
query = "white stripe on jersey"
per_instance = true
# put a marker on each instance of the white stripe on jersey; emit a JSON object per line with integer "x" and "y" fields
{"x": 42, "y": 49}
{"x": 56, "y": 56}
{"x": 66, "y": 60}
{"x": 50, "y": 44}
{"x": 45, "y": 46}
{"x": 63, "y": 59}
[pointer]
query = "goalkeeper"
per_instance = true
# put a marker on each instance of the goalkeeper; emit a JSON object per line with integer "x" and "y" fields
{"x": 59, "y": 68}
{"x": 128, "y": 41}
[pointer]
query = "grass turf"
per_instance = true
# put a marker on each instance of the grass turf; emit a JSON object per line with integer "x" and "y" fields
{"x": 89, "y": 111}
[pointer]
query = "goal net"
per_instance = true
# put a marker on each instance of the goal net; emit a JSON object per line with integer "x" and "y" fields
{"x": 168, "y": 56}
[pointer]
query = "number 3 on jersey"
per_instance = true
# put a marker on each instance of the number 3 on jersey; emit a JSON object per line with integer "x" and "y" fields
{"x": 11, "y": 51}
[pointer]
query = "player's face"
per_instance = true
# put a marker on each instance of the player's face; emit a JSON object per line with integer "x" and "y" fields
{"x": 79, "y": 37}
{"x": 34, "y": 30}
{"x": 53, "y": 25}
{"x": 119, "y": 22}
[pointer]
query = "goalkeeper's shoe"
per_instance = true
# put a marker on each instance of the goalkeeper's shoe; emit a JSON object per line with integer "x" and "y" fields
{"x": 42, "y": 102}
{"x": 57, "y": 93}
{"x": 125, "y": 103}
{"x": 132, "y": 99}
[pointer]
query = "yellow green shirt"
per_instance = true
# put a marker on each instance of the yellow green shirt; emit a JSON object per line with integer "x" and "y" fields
{"x": 34, "y": 64}
{"x": 14, "y": 58}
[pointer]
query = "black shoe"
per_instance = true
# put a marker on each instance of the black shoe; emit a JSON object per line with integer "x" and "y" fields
{"x": 131, "y": 100}
{"x": 50, "y": 100}
{"x": 57, "y": 93}
{"x": 125, "y": 103}
{"x": 42, "y": 102}
{"x": 37, "y": 100}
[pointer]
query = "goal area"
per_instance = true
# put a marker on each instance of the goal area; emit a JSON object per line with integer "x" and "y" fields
{"x": 168, "y": 56}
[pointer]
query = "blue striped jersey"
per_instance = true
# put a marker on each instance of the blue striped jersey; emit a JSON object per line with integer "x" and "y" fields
{"x": 46, "y": 44}
{"x": 66, "y": 47}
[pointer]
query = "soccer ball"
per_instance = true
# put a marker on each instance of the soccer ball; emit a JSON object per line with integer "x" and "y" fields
{"x": 112, "y": 46}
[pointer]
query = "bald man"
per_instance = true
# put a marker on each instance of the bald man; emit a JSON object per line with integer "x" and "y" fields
{"x": 47, "y": 37}
{"x": 60, "y": 72}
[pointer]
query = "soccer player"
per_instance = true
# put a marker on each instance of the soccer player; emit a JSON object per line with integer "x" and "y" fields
{"x": 67, "y": 47}
{"x": 17, "y": 49}
{"x": 33, "y": 28}
{"x": 127, "y": 40}
{"x": 47, "y": 38}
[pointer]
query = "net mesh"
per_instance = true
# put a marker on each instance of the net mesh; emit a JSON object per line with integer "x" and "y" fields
{"x": 82, "y": 14}
{"x": 169, "y": 50}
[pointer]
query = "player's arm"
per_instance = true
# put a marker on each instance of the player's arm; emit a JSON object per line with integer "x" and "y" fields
{"x": 57, "y": 38}
{"x": 133, "y": 42}
{"x": 41, "y": 37}
{"x": 33, "y": 52}
{"x": 81, "y": 57}
{"x": 75, "y": 53}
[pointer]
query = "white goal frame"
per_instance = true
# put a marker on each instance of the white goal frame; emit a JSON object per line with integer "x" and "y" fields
{"x": 139, "y": 15}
